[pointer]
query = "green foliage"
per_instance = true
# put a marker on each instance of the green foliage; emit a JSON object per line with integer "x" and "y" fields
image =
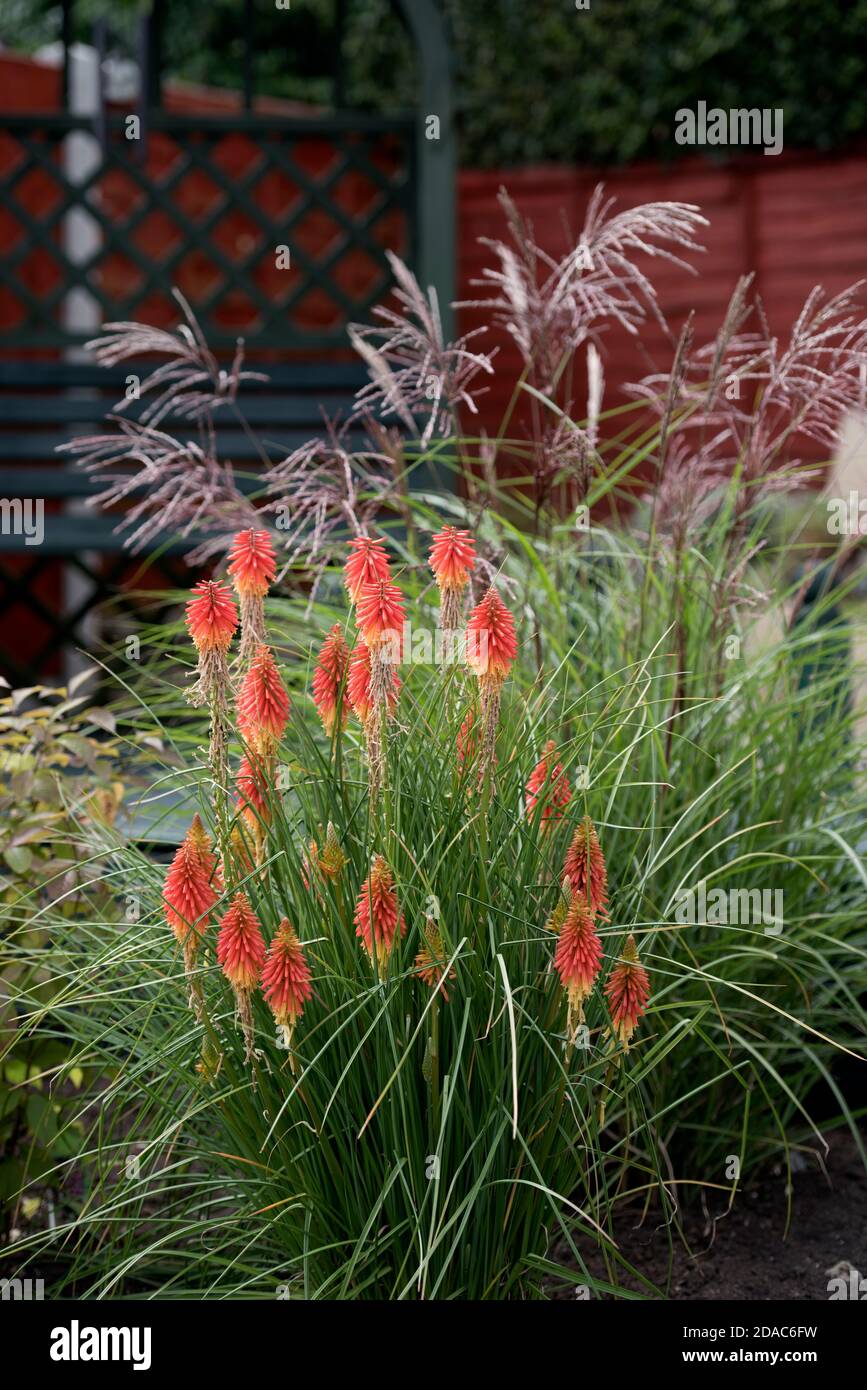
{"x": 320, "y": 1182}
{"x": 547, "y": 81}
{"x": 59, "y": 779}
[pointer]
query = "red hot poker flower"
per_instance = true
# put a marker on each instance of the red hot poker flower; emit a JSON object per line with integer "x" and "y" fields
{"x": 452, "y": 556}
{"x": 628, "y": 990}
{"x": 367, "y": 563}
{"x": 286, "y": 978}
{"x": 549, "y": 781}
{"x": 188, "y": 893}
{"x": 379, "y": 613}
{"x": 358, "y": 688}
{"x": 584, "y": 866}
{"x": 240, "y": 945}
{"x": 358, "y": 683}
{"x": 491, "y": 642}
{"x": 211, "y": 616}
{"x": 241, "y": 953}
{"x": 578, "y": 955}
{"x": 329, "y": 676}
{"x": 253, "y": 563}
{"x": 263, "y": 705}
{"x": 377, "y": 917}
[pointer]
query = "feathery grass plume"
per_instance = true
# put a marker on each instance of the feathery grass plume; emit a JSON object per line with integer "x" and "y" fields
{"x": 241, "y": 954}
{"x": 548, "y": 783}
{"x": 211, "y": 619}
{"x": 550, "y": 307}
{"x": 491, "y": 648}
{"x": 584, "y": 866}
{"x": 430, "y": 963}
{"x": 452, "y": 557}
{"x": 413, "y": 370}
{"x": 378, "y": 919}
{"x": 263, "y": 704}
{"x": 252, "y": 565}
{"x": 628, "y": 990}
{"x": 286, "y": 982}
{"x": 379, "y": 613}
{"x": 190, "y": 892}
{"x": 330, "y": 860}
{"x": 367, "y": 563}
{"x": 577, "y": 959}
{"x": 328, "y": 679}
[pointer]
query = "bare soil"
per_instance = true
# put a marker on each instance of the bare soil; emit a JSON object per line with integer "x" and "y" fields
{"x": 748, "y": 1253}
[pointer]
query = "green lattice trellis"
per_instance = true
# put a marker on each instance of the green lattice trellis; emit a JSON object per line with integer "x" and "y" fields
{"x": 340, "y": 216}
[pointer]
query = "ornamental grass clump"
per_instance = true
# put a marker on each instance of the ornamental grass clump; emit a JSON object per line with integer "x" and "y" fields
{"x": 434, "y": 1016}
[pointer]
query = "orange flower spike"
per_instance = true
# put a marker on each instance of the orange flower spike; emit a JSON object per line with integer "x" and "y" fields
{"x": 193, "y": 884}
{"x": 358, "y": 687}
{"x": 549, "y": 780}
{"x": 452, "y": 556}
{"x": 240, "y": 945}
{"x": 628, "y": 990}
{"x": 286, "y": 979}
{"x": 241, "y": 954}
{"x": 253, "y": 563}
{"x": 358, "y": 683}
{"x": 379, "y": 613}
{"x": 491, "y": 647}
{"x": 211, "y": 616}
{"x": 584, "y": 866}
{"x": 329, "y": 676}
{"x": 367, "y": 564}
{"x": 578, "y": 956}
{"x": 377, "y": 916}
{"x": 188, "y": 894}
{"x": 491, "y": 642}
{"x": 253, "y": 567}
{"x": 263, "y": 705}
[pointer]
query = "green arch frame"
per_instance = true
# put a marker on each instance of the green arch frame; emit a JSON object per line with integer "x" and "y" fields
{"x": 437, "y": 161}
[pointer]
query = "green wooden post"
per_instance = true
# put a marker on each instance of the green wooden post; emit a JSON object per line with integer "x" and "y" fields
{"x": 437, "y": 235}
